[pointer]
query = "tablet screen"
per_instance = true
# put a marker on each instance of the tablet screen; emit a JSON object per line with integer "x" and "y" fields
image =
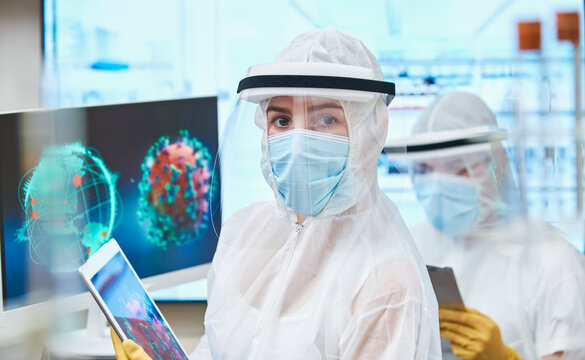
{"x": 445, "y": 286}
{"x": 134, "y": 311}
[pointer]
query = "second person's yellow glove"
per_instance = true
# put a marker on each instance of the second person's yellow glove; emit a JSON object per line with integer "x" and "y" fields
{"x": 473, "y": 335}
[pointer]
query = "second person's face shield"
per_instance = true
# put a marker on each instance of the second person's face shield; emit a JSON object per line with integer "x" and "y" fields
{"x": 306, "y": 145}
{"x": 463, "y": 180}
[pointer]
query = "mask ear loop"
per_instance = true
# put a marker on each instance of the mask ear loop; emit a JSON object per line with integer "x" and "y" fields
{"x": 500, "y": 209}
{"x": 349, "y": 154}
{"x": 496, "y": 166}
{"x": 263, "y": 106}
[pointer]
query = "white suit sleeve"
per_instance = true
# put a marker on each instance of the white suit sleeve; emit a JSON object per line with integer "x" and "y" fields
{"x": 388, "y": 332}
{"x": 560, "y": 319}
{"x": 202, "y": 351}
{"x": 388, "y": 318}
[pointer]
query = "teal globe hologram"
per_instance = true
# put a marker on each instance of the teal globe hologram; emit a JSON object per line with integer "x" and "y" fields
{"x": 70, "y": 204}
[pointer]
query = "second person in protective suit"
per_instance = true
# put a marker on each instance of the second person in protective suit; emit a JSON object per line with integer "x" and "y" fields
{"x": 522, "y": 283}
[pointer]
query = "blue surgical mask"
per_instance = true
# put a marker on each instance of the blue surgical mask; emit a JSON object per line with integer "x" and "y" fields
{"x": 307, "y": 166}
{"x": 450, "y": 201}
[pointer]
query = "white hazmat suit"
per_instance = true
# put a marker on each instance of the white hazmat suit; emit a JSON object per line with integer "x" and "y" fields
{"x": 347, "y": 283}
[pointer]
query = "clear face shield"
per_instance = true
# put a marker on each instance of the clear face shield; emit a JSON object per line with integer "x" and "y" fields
{"x": 312, "y": 135}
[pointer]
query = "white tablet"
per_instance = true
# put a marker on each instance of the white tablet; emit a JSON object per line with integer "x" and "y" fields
{"x": 130, "y": 310}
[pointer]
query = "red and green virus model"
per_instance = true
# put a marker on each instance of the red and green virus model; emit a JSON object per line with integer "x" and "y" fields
{"x": 175, "y": 189}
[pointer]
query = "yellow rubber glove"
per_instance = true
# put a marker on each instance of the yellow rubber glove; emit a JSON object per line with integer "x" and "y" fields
{"x": 127, "y": 350}
{"x": 473, "y": 335}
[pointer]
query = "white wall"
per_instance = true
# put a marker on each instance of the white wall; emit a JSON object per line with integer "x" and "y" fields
{"x": 20, "y": 54}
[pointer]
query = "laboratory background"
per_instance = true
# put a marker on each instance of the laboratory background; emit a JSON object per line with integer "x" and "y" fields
{"x": 109, "y": 81}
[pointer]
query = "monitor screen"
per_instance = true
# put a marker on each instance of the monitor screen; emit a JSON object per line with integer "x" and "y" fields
{"x": 72, "y": 178}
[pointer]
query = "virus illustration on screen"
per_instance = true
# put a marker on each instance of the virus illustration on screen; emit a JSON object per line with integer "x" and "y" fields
{"x": 174, "y": 190}
{"x": 70, "y": 204}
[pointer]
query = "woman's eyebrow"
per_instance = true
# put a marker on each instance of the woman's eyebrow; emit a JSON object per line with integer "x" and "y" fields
{"x": 278, "y": 109}
{"x": 326, "y": 105}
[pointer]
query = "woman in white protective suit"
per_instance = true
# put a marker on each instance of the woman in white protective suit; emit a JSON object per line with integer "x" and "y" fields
{"x": 522, "y": 283}
{"x": 327, "y": 269}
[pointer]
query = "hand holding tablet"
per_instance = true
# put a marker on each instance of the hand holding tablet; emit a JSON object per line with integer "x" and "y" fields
{"x": 130, "y": 310}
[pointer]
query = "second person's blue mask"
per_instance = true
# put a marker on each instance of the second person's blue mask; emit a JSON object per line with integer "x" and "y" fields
{"x": 450, "y": 202}
{"x": 307, "y": 166}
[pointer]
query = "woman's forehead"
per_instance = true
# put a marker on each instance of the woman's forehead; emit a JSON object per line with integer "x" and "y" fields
{"x": 291, "y": 101}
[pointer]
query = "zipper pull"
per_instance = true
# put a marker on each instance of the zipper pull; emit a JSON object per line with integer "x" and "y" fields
{"x": 298, "y": 228}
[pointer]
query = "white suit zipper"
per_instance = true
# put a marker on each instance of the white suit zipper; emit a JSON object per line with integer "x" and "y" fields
{"x": 295, "y": 239}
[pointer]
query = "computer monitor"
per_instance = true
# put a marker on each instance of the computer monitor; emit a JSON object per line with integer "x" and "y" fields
{"x": 143, "y": 173}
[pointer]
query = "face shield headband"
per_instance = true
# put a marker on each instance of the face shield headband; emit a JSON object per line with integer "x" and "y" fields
{"x": 343, "y": 82}
{"x": 445, "y": 143}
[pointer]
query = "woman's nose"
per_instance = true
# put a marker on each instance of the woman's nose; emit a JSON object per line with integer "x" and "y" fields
{"x": 299, "y": 122}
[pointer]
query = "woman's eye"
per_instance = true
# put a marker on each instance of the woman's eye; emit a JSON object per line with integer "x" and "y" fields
{"x": 463, "y": 172}
{"x": 327, "y": 120}
{"x": 281, "y": 122}
{"x": 422, "y": 168}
